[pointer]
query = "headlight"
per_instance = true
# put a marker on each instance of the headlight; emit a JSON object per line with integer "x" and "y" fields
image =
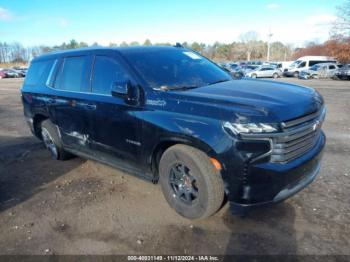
{"x": 238, "y": 128}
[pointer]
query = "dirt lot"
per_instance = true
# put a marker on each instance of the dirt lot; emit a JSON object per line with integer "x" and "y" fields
{"x": 82, "y": 207}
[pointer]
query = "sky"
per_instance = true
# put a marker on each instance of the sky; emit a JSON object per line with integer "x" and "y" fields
{"x": 51, "y": 22}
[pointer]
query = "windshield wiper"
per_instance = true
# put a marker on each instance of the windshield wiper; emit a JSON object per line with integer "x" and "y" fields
{"x": 166, "y": 88}
{"x": 219, "y": 81}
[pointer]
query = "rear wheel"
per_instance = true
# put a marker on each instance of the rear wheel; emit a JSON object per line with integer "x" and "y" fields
{"x": 275, "y": 75}
{"x": 190, "y": 182}
{"x": 296, "y": 74}
{"x": 52, "y": 141}
{"x": 254, "y": 76}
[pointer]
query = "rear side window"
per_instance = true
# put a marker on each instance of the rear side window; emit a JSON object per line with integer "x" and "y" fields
{"x": 314, "y": 62}
{"x": 71, "y": 74}
{"x": 38, "y": 72}
{"x": 106, "y": 72}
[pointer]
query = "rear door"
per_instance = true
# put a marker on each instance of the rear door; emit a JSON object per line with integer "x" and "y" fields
{"x": 332, "y": 69}
{"x": 269, "y": 71}
{"x": 263, "y": 72}
{"x": 72, "y": 110}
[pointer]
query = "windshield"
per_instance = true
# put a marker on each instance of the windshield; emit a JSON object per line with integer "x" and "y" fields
{"x": 173, "y": 68}
{"x": 296, "y": 63}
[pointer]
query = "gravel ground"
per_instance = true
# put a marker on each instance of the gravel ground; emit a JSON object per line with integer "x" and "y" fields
{"x": 83, "y": 207}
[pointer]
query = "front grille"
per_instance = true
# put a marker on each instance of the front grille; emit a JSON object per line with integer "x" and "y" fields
{"x": 298, "y": 137}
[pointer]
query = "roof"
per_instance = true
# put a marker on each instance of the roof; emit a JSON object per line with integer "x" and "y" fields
{"x": 130, "y": 49}
{"x": 316, "y": 57}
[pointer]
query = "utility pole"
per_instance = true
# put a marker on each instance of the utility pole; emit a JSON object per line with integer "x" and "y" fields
{"x": 268, "y": 45}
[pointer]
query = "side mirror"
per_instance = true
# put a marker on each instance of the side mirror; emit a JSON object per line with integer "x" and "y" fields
{"x": 126, "y": 90}
{"x": 120, "y": 89}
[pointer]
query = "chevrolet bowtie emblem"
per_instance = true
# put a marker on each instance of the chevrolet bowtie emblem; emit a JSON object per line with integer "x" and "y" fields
{"x": 316, "y": 125}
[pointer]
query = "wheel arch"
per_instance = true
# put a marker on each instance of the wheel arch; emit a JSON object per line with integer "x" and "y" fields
{"x": 37, "y": 120}
{"x": 168, "y": 142}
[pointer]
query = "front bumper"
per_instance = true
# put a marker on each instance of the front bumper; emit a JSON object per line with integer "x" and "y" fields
{"x": 271, "y": 183}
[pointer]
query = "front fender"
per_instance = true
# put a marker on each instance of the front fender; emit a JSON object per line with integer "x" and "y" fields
{"x": 205, "y": 132}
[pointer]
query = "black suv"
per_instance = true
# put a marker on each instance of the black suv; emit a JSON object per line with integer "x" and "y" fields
{"x": 168, "y": 114}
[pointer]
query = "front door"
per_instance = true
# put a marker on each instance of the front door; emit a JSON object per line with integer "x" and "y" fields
{"x": 116, "y": 138}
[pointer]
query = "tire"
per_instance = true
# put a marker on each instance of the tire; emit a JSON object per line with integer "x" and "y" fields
{"x": 254, "y": 76}
{"x": 275, "y": 75}
{"x": 202, "y": 183}
{"x": 52, "y": 141}
{"x": 296, "y": 74}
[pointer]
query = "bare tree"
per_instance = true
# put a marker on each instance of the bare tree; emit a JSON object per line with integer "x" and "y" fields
{"x": 250, "y": 40}
{"x": 341, "y": 26}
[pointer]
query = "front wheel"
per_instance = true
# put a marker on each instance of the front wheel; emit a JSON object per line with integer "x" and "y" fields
{"x": 190, "y": 182}
{"x": 296, "y": 74}
{"x": 275, "y": 75}
{"x": 254, "y": 76}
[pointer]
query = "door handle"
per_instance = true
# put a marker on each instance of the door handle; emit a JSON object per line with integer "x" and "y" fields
{"x": 90, "y": 106}
{"x": 51, "y": 101}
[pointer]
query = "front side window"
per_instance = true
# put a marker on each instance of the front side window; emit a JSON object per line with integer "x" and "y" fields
{"x": 106, "y": 71}
{"x": 303, "y": 64}
{"x": 175, "y": 68}
{"x": 71, "y": 74}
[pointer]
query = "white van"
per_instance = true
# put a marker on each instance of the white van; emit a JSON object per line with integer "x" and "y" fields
{"x": 304, "y": 63}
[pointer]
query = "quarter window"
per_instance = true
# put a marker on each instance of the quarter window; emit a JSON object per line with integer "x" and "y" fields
{"x": 71, "y": 75}
{"x": 106, "y": 72}
{"x": 38, "y": 72}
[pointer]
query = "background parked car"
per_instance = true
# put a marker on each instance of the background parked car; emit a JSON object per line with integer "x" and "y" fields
{"x": 254, "y": 62}
{"x": 10, "y": 73}
{"x": 264, "y": 71}
{"x": 343, "y": 73}
{"x": 249, "y": 68}
{"x": 2, "y": 74}
{"x": 323, "y": 70}
{"x": 22, "y": 71}
{"x": 232, "y": 67}
{"x": 304, "y": 63}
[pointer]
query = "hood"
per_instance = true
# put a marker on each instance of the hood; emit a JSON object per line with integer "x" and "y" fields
{"x": 276, "y": 101}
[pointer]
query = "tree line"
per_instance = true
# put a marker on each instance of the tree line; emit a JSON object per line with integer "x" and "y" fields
{"x": 248, "y": 49}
